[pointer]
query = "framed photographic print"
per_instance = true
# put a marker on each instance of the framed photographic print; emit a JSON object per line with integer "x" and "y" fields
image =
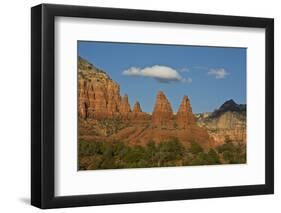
{"x": 139, "y": 106}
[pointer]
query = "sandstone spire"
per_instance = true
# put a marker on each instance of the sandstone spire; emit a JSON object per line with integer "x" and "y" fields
{"x": 137, "y": 108}
{"x": 125, "y": 106}
{"x": 184, "y": 115}
{"x": 162, "y": 115}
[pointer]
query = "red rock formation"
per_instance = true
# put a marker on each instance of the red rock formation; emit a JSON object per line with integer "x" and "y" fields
{"x": 162, "y": 115}
{"x": 83, "y": 99}
{"x": 98, "y": 95}
{"x": 137, "y": 116}
{"x": 125, "y": 107}
{"x": 113, "y": 98}
{"x": 185, "y": 117}
{"x": 137, "y": 108}
{"x": 108, "y": 117}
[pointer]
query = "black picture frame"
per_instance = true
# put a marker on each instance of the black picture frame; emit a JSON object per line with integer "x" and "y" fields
{"x": 43, "y": 102}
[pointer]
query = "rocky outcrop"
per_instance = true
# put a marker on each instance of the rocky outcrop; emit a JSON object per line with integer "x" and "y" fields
{"x": 162, "y": 113}
{"x": 228, "y": 123}
{"x": 137, "y": 108}
{"x": 125, "y": 107}
{"x": 185, "y": 117}
{"x": 98, "y": 95}
{"x": 138, "y": 116}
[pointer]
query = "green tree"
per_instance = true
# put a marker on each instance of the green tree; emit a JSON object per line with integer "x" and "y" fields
{"x": 195, "y": 148}
{"x": 212, "y": 157}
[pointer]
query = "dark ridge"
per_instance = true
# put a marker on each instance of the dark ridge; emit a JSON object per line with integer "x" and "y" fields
{"x": 229, "y": 106}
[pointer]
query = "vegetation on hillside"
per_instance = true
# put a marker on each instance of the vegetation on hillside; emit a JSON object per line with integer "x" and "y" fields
{"x": 107, "y": 155}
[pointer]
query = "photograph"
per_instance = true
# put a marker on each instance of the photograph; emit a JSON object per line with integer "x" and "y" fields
{"x": 169, "y": 104}
{"x": 142, "y": 105}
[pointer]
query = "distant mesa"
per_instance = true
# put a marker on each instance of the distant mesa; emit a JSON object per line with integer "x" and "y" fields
{"x": 230, "y": 106}
{"x": 228, "y": 121}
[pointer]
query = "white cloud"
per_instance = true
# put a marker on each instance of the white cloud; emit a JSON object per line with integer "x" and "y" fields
{"x": 218, "y": 73}
{"x": 187, "y": 80}
{"x": 184, "y": 69}
{"x": 161, "y": 73}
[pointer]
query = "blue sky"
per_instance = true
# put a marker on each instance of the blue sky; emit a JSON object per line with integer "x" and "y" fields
{"x": 207, "y": 75}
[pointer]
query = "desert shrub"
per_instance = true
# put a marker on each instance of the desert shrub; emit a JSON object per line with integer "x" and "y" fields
{"x": 108, "y": 163}
{"x": 226, "y": 147}
{"x": 199, "y": 159}
{"x": 212, "y": 157}
{"x": 197, "y": 156}
{"x": 195, "y": 148}
{"x": 120, "y": 149}
{"x": 95, "y": 163}
{"x": 134, "y": 155}
{"x": 233, "y": 153}
{"x": 166, "y": 153}
{"x": 89, "y": 148}
{"x": 172, "y": 149}
{"x": 151, "y": 150}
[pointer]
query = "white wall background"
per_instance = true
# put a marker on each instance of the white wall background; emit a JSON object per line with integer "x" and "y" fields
{"x": 15, "y": 105}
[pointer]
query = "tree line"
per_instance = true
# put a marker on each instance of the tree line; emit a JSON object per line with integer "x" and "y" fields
{"x": 113, "y": 155}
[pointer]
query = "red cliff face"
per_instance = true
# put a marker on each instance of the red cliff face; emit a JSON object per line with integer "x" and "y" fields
{"x": 162, "y": 115}
{"x": 98, "y": 95}
{"x": 185, "y": 117}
